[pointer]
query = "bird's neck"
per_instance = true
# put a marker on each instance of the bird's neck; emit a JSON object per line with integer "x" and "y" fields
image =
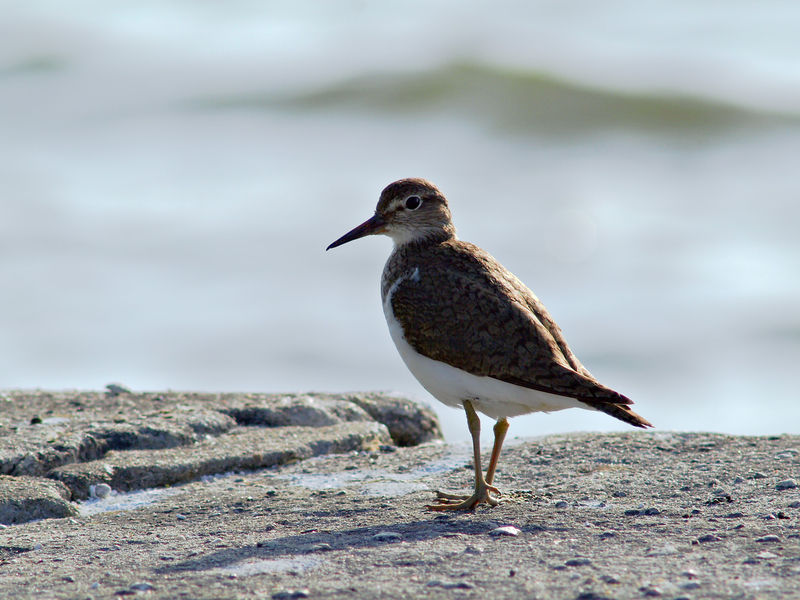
{"x": 420, "y": 237}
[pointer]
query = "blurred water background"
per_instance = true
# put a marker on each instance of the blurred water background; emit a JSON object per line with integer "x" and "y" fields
{"x": 171, "y": 172}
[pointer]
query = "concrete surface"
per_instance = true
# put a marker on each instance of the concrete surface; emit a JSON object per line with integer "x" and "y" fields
{"x": 584, "y": 516}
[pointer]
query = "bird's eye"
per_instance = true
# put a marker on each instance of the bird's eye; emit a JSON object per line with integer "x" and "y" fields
{"x": 413, "y": 202}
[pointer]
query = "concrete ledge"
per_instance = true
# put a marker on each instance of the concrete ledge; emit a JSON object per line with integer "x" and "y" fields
{"x": 133, "y": 440}
{"x": 583, "y": 517}
{"x": 26, "y": 498}
{"x": 239, "y": 450}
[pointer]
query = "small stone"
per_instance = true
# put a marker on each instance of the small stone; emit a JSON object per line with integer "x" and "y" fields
{"x": 651, "y": 511}
{"x": 737, "y": 481}
{"x": 387, "y": 448}
{"x": 758, "y": 475}
{"x": 473, "y": 550}
{"x": 451, "y": 585}
{"x": 116, "y": 389}
{"x": 786, "y": 484}
{"x": 651, "y": 591}
{"x": 689, "y": 573}
{"x": 690, "y": 585}
{"x": 181, "y": 517}
{"x": 591, "y": 596}
{"x": 766, "y": 555}
{"x": 620, "y": 494}
{"x": 561, "y": 504}
{"x": 578, "y": 562}
{"x": 321, "y": 547}
{"x": 665, "y": 550}
{"x": 142, "y": 586}
{"x": 633, "y": 512}
{"x": 506, "y": 530}
{"x": 607, "y": 534}
{"x": 387, "y": 536}
{"x": 610, "y": 579}
{"x": 769, "y": 539}
{"x": 710, "y": 537}
{"x": 795, "y": 505}
{"x": 291, "y": 594}
{"x": 68, "y": 579}
{"x": 99, "y": 490}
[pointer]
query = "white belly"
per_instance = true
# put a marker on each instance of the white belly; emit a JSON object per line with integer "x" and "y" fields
{"x": 452, "y": 386}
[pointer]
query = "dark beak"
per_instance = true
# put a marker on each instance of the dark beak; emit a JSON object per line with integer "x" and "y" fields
{"x": 371, "y": 226}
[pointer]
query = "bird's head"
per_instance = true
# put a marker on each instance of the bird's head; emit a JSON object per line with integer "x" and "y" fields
{"x": 409, "y": 210}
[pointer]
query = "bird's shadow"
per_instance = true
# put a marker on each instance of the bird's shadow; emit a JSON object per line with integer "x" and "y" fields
{"x": 318, "y": 543}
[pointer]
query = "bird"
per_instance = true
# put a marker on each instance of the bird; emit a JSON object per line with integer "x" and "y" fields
{"x": 472, "y": 333}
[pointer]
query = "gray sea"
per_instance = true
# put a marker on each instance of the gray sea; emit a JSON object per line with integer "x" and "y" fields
{"x": 171, "y": 172}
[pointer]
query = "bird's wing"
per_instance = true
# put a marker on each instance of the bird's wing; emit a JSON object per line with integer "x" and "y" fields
{"x": 517, "y": 345}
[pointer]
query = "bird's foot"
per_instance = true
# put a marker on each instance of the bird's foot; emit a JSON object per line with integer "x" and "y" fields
{"x": 463, "y": 502}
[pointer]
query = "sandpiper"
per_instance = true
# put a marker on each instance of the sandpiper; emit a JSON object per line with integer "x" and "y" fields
{"x": 471, "y": 332}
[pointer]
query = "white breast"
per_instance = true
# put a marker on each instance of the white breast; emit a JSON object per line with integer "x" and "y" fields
{"x": 452, "y": 385}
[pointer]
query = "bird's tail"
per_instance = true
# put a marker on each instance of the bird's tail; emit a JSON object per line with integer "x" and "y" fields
{"x": 622, "y": 412}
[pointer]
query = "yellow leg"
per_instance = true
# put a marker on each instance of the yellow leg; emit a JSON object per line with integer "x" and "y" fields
{"x": 482, "y": 488}
{"x": 500, "y": 429}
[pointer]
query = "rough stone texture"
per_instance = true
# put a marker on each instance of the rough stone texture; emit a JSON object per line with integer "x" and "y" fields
{"x": 133, "y": 440}
{"x": 638, "y": 515}
{"x": 583, "y": 516}
{"x": 25, "y": 498}
{"x": 242, "y": 449}
{"x": 42, "y": 430}
{"x": 408, "y": 424}
{"x": 316, "y": 410}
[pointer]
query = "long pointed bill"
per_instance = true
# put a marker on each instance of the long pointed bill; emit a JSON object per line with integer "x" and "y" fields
{"x": 371, "y": 226}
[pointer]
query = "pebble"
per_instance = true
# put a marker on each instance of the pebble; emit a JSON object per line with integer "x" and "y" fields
{"x": 561, "y": 504}
{"x": 578, "y": 562}
{"x": 769, "y": 539}
{"x": 387, "y": 536}
{"x": 786, "y": 484}
{"x": 766, "y": 555}
{"x": 506, "y": 530}
{"x": 651, "y": 591}
{"x": 142, "y": 587}
{"x": 665, "y": 550}
{"x": 607, "y": 534}
{"x": 591, "y": 596}
{"x": 321, "y": 547}
{"x": 795, "y": 505}
{"x": 291, "y": 594}
{"x": 709, "y": 538}
{"x": 690, "y": 585}
{"x": 451, "y": 585}
{"x": 473, "y": 550}
{"x": 689, "y": 573}
{"x": 610, "y": 579}
{"x": 99, "y": 490}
